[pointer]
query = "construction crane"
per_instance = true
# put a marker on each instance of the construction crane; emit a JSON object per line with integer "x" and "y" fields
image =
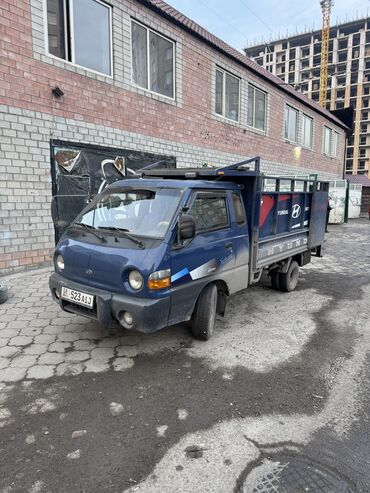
{"x": 326, "y": 6}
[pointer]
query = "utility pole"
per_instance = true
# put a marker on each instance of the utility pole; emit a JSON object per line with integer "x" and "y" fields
{"x": 326, "y": 6}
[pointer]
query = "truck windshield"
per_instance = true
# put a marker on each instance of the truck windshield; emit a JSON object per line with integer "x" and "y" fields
{"x": 139, "y": 212}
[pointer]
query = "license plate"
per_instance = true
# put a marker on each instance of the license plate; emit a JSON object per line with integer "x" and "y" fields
{"x": 77, "y": 297}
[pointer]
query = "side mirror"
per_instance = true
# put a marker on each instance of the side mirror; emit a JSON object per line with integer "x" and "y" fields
{"x": 186, "y": 227}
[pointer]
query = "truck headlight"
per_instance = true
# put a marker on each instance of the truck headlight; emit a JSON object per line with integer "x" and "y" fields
{"x": 59, "y": 262}
{"x": 135, "y": 279}
{"x": 160, "y": 279}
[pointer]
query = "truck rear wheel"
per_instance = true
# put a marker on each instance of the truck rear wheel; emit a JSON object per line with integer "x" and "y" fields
{"x": 204, "y": 316}
{"x": 288, "y": 281}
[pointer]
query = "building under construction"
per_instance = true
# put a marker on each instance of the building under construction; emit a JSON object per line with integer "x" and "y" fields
{"x": 297, "y": 61}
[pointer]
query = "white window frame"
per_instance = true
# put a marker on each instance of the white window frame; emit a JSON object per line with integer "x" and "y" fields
{"x": 323, "y": 140}
{"x": 71, "y": 23}
{"x": 224, "y": 72}
{"x": 254, "y": 108}
{"x": 286, "y": 137}
{"x": 302, "y": 132}
{"x": 333, "y": 140}
{"x": 148, "y": 30}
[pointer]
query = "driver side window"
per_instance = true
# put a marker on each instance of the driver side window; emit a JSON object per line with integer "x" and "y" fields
{"x": 209, "y": 212}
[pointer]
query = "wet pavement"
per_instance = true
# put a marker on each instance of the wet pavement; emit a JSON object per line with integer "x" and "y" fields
{"x": 85, "y": 408}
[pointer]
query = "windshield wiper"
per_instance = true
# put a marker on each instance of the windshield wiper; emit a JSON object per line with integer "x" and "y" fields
{"x": 124, "y": 232}
{"x": 91, "y": 229}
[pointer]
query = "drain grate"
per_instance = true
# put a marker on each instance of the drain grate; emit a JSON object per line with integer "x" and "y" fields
{"x": 285, "y": 474}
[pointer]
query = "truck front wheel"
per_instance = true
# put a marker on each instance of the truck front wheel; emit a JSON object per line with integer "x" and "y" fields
{"x": 204, "y": 316}
{"x": 288, "y": 281}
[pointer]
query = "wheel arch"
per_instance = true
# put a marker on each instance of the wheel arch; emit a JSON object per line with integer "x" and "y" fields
{"x": 223, "y": 293}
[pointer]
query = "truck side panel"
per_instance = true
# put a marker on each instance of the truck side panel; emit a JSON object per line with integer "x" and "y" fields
{"x": 283, "y": 213}
{"x": 275, "y": 250}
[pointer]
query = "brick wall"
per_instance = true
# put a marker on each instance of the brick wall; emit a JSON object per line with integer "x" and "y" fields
{"x": 112, "y": 112}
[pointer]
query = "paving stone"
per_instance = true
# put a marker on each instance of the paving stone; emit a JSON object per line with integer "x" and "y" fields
{"x": 15, "y": 312}
{"x": 121, "y": 364}
{"x": 40, "y": 322}
{"x": 51, "y": 359}
{"x": 102, "y": 354}
{"x": 26, "y": 317}
{"x": 91, "y": 334}
{"x": 69, "y": 369}
{"x": 12, "y": 374}
{"x": 68, "y": 336}
{"x": 33, "y": 299}
{"x": 6, "y": 318}
{"x": 8, "y": 333}
{"x": 8, "y": 351}
{"x": 84, "y": 345}
{"x": 59, "y": 347}
{"x": 20, "y": 341}
{"x": 59, "y": 321}
{"x": 96, "y": 366}
{"x": 53, "y": 329}
{"x": 36, "y": 310}
{"x": 44, "y": 339}
{"x": 23, "y": 361}
{"x": 36, "y": 349}
{"x": 79, "y": 320}
{"x": 109, "y": 342}
{"x": 128, "y": 351}
{"x": 4, "y": 363}
{"x": 78, "y": 356}
{"x": 39, "y": 372}
{"x": 30, "y": 331}
{"x": 4, "y": 342}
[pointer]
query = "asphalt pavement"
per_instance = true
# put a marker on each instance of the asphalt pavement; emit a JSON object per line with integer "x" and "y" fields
{"x": 277, "y": 400}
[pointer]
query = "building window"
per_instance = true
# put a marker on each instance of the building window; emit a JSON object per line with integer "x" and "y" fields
{"x": 306, "y": 135}
{"x": 330, "y": 142}
{"x": 256, "y": 117}
{"x": 153, "y": 61}
{"x": 335, "y": 144}
{"x": 291, "y": 124}
{"x": 326, "y": 141}
{"x": 80, "y": 31}
{"x": 227, "y": 95}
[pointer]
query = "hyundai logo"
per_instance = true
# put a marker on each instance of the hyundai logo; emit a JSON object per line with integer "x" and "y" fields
{"x": 296, "y": 211}
{"x": 89, "y": 272}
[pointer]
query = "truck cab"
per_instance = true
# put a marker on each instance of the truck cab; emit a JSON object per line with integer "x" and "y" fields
{"x": 171, "y": 246}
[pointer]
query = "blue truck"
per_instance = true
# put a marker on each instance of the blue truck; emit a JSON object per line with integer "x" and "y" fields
{"x": 171, "y": 246}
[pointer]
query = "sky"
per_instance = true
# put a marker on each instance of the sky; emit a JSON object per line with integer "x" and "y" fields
{"x": 243, "y": 22}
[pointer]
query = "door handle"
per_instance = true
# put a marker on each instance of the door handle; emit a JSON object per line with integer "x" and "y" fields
{"x": 229, "y": 245}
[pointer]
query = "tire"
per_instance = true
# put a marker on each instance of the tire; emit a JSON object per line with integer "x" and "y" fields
{"x": 3, "y": 293}
{"x": 204, "y": 316}
{"x": 288, "y": 281}
{"x": 275, "y": 278}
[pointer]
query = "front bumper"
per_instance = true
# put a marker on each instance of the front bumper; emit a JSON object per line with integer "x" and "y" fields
{"x": 149, "y": 315}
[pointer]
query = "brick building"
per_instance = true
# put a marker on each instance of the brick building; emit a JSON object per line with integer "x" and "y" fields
{"x": 137, "y": 81}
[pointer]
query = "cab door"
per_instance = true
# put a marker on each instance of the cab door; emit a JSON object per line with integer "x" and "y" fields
{"x": 210, "y": 255}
